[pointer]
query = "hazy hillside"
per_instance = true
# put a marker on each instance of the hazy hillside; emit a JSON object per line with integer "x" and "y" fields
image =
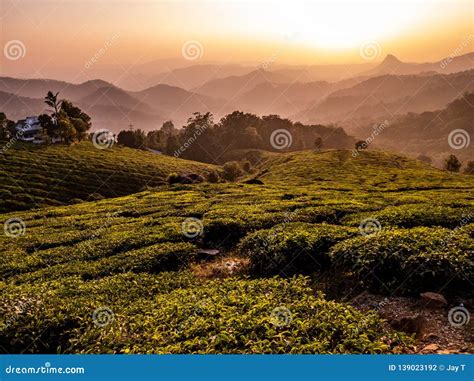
{"x": 392, "y": 65}
{"x": 234, "y": 86}
{"x": 179, "y": 104}
{"x": 34, "y": 176}
{"x": 193, "y": 76}
{"x": 389, "y": 95}
{"x": 428, "y": 132}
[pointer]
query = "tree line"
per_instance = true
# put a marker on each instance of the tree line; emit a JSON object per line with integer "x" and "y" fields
{"x": 204, "y": 140}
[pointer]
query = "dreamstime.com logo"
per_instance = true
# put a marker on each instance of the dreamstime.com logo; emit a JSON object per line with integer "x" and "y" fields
{"x": 192, "y": 227}
{"x": 281, "y": 316}
{"x": 369, "y": 226}
{"x": 103, "y": 139}
{"x": 103, "y": 316}
{"x": 458, "y": 316}
{"x": 44, "y": 369}
{"x": 370, "y": 50}
{"x": 14, "y": 50}
{"x": 459, "y": 139}
{"x": 192, "y": 50}
{"x": 281, "y": 139}
{"x": 14, "y": 227}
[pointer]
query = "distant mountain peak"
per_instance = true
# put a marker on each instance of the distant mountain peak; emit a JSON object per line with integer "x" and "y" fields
{"x": 390, "y": 59}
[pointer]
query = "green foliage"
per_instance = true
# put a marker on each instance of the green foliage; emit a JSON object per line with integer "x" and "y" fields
{"x": 176, "y": 313}
{"x": 412, "y": 215}
{"x": 292, "y": 247}
{"x": 36, "y": 176}
{"x": 469, "y": 168}
{"x": 452, "y": 164}
{"x": 232, "y": 170}
{"x": 409, "y": 260}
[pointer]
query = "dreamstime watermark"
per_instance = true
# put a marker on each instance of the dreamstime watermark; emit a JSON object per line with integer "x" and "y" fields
{"x": 103, "y": 139}
{"x": 459, "y": 139}
{"x": 369, "y": 226}
{"x": 458, "y": 316}
{"x": 14, "y": 50}
{"x": 281, "y": 316}
{"x": 44, "y": 369}
{"x": 376, "y": 130}
{"x": 103, "y": 316}
{"x": 281, "y": 139}
{"x": 99, "y": 53}
{"x": 370, "y": 50}
{"x": 192, "y": 50}
{"x": 190, "y": 141}
{"x": 20, "y": 308}
{"x": 458, "y": 51}
{"x": 192, "y": 227}
{"x": 13, "y": 140}
{"x": 14, "y": 227}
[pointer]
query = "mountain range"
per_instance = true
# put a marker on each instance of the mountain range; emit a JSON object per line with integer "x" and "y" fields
{"x": 347, "y": 94}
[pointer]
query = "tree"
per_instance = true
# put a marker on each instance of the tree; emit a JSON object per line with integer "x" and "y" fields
{"x": 318, "y": 143}
{"x": 168, "y": 128}
{"x": 78, "y": 119}
{"x": 361, "y": 145}
{"x": 52, "y": 101}
{"x": 469, "y": 168}
{"x": 133, "y": 139}
{"x": 252, "y": 138}
{"x": 452, "y": 164}
{"x": 7, "y": 127}
{"x": 172, "y": 145}
{"x": 153, "y": 139}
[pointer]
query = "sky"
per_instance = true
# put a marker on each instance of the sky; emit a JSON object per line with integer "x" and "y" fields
{"x": 59, "y": 38}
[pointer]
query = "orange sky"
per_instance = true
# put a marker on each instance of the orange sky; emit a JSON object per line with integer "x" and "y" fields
{"x": 62, "y": 36}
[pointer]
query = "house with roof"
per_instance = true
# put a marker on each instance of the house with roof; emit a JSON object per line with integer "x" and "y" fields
{"x": 29, "y": 130}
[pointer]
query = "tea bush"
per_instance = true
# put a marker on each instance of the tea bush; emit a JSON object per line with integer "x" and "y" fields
{"x": 292, "y": 248}
{"x": 409, "y": 260}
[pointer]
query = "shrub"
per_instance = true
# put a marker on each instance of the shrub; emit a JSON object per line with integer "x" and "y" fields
{"x": 469, "y": 168}
{"x": 213, "y": 177}
{"x": 409, "y": 261}
{"x": 452, "y": 164}
{"x": 232, "y": 170}
{"x": 292, "y": 248}
{"x": 246, "y": 166}
{"x": 173, "y": 178}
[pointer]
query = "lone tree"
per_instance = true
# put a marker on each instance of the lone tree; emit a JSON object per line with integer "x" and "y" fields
{"x": 469, "y": 168}
{"x": 318, "y": 144}
{"x": 360, "y": 145}
{"x": 452, "y": 164}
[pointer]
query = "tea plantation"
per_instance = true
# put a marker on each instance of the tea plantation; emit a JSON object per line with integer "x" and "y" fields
{"x": 36, "y": 176}
{"x": 116, "y": 275}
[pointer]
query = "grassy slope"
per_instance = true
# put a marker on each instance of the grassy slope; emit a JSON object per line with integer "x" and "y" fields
{"x": 36, "y": 176}
{"x": 370, "y": 170}
{"x": 86, "y": 256}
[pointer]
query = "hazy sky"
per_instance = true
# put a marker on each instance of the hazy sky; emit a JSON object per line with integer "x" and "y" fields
{"x": 54, "y": 37}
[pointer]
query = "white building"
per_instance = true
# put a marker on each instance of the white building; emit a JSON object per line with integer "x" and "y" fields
{"x": 29, "y": 130}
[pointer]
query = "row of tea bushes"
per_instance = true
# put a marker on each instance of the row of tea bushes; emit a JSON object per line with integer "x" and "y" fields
{"x": 177, "y": 313}
{"x": 390, "y": 261}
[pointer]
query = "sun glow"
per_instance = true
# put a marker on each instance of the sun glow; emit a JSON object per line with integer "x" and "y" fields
{"x": 337, "y": 24}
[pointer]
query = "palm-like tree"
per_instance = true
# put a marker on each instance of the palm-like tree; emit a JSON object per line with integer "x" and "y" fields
{"x": 52, "y": 101}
